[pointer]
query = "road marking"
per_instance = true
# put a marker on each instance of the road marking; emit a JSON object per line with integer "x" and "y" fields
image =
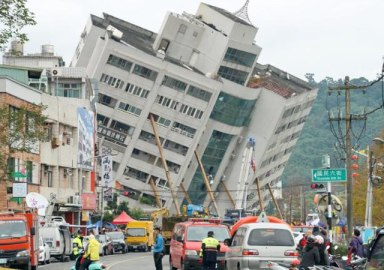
{"x": 132, "y": 259}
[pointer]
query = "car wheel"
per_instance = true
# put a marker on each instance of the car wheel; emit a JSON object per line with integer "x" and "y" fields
{"x": 49, "y": 260}
{"x": 150, "y": 248}
{"x": 62, "y": 258}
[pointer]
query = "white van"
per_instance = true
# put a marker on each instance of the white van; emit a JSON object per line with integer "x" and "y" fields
{"x": 57, "y": 236}
{"x": 253, "y": 245}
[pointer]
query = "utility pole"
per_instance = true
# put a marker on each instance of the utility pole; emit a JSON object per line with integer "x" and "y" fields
{"x": 347, "y": 87}
{"x": 368, "y": 208}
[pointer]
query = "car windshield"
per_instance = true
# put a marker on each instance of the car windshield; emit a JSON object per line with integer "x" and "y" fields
{"x": 136, "y": 232}
{"x": 270, "y": 237}
{"x": 377, "y": 253}
{"x": 12, "y": 228}
{"x": 198, "y": 233}
{"x": 116, "y": 235}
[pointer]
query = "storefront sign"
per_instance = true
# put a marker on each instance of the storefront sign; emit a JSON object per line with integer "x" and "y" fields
{"x": 88, "y": 201}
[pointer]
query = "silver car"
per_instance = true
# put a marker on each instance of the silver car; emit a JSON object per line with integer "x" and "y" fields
{"x": 253, "y": 245}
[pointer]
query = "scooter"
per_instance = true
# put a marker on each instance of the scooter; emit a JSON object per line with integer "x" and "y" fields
{"x": 357, "y": 262}
{"x": 332, "y": 258}
{"x": 92, "y": 266}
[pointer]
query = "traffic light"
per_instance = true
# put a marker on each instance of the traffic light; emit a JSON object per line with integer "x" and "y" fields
{"x": 317, "y": 186}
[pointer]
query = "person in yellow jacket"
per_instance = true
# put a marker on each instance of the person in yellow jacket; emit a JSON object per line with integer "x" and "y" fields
{"x": 92, "y": 253}
{"x": 77, "y": 244}
{"x": 209, "y": 248}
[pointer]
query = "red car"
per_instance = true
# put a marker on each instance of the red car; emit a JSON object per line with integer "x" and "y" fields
{"x": 186, "y": 243}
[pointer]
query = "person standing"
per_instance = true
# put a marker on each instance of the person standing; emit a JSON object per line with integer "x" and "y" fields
{"x": 158, "y": 249}
{"x": 356, "y": 245}
{"x": 92, "y": 253}
{"x": 209, "y": 248}
{"x": 321, "y": 246}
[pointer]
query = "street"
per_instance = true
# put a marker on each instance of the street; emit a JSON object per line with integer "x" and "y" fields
{"x": 133, "y": 260}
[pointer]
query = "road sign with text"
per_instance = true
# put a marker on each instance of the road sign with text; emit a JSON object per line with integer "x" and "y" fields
{"x": 329, "y": 175}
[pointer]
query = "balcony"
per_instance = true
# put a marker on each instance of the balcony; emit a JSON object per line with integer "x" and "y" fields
{"x": 143, "y": 156}
{"x": 183, "y": 132}
{"x": 175, "y": 147}
{"x": 118, "y": 137}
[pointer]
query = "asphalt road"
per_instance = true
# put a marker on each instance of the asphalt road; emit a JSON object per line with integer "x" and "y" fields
{"x": 132, "y": 260}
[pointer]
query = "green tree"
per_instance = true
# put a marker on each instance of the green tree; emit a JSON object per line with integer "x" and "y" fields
{"x": 122, "y": 207}
{"x": 136, "y": 213}
{"x": 14, "y": 16}
{"x": 21, "y": 130}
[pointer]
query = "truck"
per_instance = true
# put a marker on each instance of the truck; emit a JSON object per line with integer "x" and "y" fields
{"x": 55, "y": 232}
{"x": 140, "y": 235}
{"x": 19, "y": 239}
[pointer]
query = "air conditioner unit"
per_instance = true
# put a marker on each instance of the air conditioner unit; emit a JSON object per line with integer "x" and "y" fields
{"x": 55, "y": 72}
{"x": 67, "y": 171}
{"x": 233, "y": 156}
{"x": 76, "y": 199}
{"x": 55, "y": 142}
{"x": 70, "y": 199}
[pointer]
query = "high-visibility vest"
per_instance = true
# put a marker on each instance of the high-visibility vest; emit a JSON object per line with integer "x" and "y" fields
{"x": 77, "y": 244}
{"x": 209, "y": 248}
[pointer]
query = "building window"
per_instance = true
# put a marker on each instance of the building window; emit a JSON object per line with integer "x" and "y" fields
{"x": 175, "y": 84}
{"x": 288, "y": 112}
{"x": 107, "y": 100}
{"x": 119, "y": 62}
{"x": 121, "y": 127}
{"x": 199, "y": 93}
{"x": 232, "y": 111}
{"x": 195, "y": 34}
{"x": 184, "y": 129}
{"x": 102, "y": 120}
{"x": 129, "y": 108}
{"x": 239, "y": 57}
{"x": 112, "y": 81}
{"x": 161, "y": 120}
{"x": 136, "y": 90}
{"x": 233, "y": 75}
{"x": 164, "y": 44}
{"x": 145, "y": 72}
{"x": 70, "y": 90}
{"x": 167, "y": 102}
{"x": 182, "y": 28}
{"x": 211, "y": 159}
{"x": 191, "y": 111}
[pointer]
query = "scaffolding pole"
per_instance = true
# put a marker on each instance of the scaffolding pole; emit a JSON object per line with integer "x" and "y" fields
{"x": 155, "y": 192}
{"x": 174, "y": 197}
{"x": 274, "y": 200}
{"x": 207, "y": 183}
{"x": 228, "y": 195}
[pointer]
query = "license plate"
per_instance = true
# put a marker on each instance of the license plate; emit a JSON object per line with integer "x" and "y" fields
{"x": 3, "y": 261}
{"x": 134, "y": 246}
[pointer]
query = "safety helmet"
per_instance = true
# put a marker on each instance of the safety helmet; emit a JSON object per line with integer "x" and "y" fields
{"x": 311, "y": 239}
{"x": 319, "y": 240}
{"x": 79, "y": 231}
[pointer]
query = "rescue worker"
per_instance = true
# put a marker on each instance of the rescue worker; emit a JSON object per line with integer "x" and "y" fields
{"x": 158, "y": 249}
{"x": 77, "y": 244}
{"x": 209, "y": 248}
{"x": 92, "y": 254}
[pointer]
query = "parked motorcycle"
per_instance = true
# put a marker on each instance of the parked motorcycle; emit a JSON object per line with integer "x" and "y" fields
{"x": 92, "y": 266}
{"x": 357, "y": 263}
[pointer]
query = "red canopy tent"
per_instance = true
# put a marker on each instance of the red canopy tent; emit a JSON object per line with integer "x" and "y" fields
{"x": 122, "y": 219}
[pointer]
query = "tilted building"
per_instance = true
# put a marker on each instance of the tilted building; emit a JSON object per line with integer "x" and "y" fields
{"x": 200, "y": 79}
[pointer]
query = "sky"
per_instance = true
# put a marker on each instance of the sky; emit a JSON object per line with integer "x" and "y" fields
{"x": 327, "y": 38}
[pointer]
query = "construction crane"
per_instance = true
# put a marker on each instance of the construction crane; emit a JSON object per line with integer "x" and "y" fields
{"x": 248, "y": 161}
